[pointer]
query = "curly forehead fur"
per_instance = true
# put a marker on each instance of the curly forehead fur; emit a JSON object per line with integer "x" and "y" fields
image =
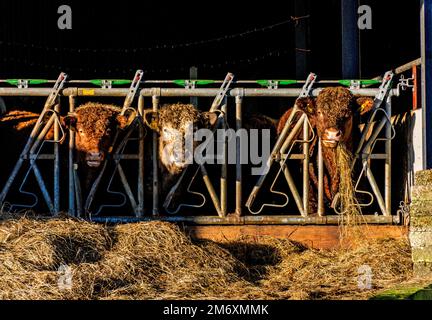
{"x": 335, "y": 103}
{"x": 177, "y": 115}
{"x": 96, "y": 116}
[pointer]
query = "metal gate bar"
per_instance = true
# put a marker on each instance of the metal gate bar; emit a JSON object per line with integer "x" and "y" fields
{"x": 34, "y": 144}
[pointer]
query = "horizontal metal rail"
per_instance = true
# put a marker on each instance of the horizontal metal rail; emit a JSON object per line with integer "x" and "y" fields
{"x": 175, "y": 92}
{"x": 251, "y": 220}
{"x": 206, "y": 92}
{"x": 172, "y": 82}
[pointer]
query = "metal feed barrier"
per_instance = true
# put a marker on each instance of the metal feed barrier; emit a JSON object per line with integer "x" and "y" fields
{"x": 116, "y": 150}
{"x": 32, "y": 152}
{"x": 382, "y": 108}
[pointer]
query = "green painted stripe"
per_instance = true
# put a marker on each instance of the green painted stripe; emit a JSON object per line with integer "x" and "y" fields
{"x": 266, "y": 83}
{"x": 115, "y": 82}
{"x": 182, "y": 83}
{"x": 14, "y": 82}
{"x": 347, "y": 83}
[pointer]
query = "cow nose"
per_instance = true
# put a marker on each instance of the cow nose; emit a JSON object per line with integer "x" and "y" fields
{"x": 96, "y": 155}
{"x": 333, "y": 134}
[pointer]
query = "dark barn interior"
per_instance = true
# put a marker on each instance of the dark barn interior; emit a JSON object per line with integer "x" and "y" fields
{"x": 112, "y": 40}
{"x": 275, "y": 41}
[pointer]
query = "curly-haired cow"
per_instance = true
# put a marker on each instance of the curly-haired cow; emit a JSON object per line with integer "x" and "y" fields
{"x": 95, "y": 125}
{"x": 333, "y": 115}
{"x": 173, "y": 122}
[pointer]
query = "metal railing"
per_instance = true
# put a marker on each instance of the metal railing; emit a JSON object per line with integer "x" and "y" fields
{"x": 239, "y": 94}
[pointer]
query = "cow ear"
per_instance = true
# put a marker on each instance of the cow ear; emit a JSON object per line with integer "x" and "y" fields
{"x": 211, "y": 117}
{"x": 364, "y": 104}
{"x": 69, "y": 122}
{"x": 125, "y": 121}
{"x": 121, "y": 121}
{"x": 307, "y": 105}
{"x": 151, "y": 119}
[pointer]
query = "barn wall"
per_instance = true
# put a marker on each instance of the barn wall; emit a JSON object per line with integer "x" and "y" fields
{"x": 420, "y": 234}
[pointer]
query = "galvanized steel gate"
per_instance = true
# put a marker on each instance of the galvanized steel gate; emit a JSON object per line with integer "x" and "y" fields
{"x": 382, "y": 108}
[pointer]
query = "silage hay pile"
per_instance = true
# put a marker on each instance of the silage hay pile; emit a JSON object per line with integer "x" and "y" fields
{"x": 156, "y": 260}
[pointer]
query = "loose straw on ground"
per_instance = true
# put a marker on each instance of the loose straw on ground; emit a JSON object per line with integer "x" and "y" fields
{"x": 156, "y": 260}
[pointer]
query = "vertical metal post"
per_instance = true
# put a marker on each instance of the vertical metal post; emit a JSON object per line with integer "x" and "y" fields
{"x": 305, "y": 168}
{"x": 140, "y": 209}
{"x": 350, "y": 39}
{"x": 320, "y": 180}
{"x": 193, "y": 75}
{"x": 72, "y": 193}
{"x": 56, "y": 161}
{"x": 238, "y": 208}
{"x": 415, "y": 87}
{"x": 155, "y": 212}
{"x": 426, "y": 81}
{"x": 388, "y": 134}
{"x": 214, "y": 197}
{"x": 224, "y": 168}
{"x": 375, "y": 189}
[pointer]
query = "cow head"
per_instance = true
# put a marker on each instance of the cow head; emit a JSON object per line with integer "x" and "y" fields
{"x": 173, "y": 123}
{"x": 332, "y": 113}
{"x": 95, "y": 125}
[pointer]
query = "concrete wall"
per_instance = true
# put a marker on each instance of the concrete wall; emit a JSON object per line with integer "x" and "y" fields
{"x": 420, "y": 233}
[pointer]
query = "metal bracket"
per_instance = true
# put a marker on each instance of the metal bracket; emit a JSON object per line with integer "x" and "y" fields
{"x": 190, "y": 84}
{"x": 132, "y": 90}
{"x": 405, "y": 83}
{"x": 222, "y": 92}
{"x": 355, "y": 84}
{"x": 273, "y": 84}
{"x": 106, "y": 84}
{"x": 22, "y": 84}
{"x": 307, "y": 87}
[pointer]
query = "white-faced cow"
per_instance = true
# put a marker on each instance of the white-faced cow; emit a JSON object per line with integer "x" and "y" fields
{"x": 173, "y": 122}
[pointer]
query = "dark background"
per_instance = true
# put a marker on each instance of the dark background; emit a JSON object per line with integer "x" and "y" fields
{"x": 111, "y": 39}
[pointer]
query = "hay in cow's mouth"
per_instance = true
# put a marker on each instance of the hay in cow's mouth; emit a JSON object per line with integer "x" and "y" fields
{"x": 330, "y": 143}
{"x": 157, "y": 260}
{"x": 351, "y": 215}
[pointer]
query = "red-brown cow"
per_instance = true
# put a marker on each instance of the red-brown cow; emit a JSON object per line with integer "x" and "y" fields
{"x": 94, "y": 124}
{"x": 332, "y": 115}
